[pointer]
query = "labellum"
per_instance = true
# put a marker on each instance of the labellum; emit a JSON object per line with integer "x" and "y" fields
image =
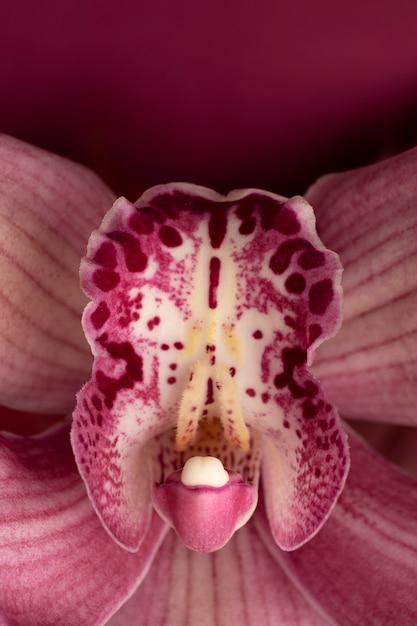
{"x": 206, "y": 311}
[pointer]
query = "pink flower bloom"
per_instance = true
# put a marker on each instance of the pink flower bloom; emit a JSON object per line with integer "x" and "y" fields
{"x": 307, "y": 555}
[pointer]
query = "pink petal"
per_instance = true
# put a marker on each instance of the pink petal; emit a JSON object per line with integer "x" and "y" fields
{"x": 361, "y": 568}
{"x": 48, "y": 208}
{"x": 58, "y": 566}
{"x": 240, "y": 584}
{"x": 369, "y": 217}
{"x": 195, "y": 295}
{"x": 204, "y": 517}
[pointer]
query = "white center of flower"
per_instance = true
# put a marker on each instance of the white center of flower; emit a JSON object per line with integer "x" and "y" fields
{"x": 204, "y": 470}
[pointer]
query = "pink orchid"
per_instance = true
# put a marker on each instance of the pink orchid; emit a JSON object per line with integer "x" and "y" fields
{"x": 313, "y": 550}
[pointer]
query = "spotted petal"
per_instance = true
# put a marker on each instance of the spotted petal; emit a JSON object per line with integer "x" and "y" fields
{"x": 205, "y": 312}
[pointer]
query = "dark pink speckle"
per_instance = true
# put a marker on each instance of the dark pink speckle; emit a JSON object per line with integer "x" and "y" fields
{"x": 135, "y": 259}
{"x": 142, "y": 223}
{"x": 106, "y": 255}
{"x": 314, "y": 331}
{"x": 286, "y": 222}
{"x": 106, "y": 280}
{"x": 311, "y": 259}
{"x": 295, "y": 283}
{"x": 247, "y": 226}
{"x": 217, "y": 227}
{"x": 310, "y": 410}
{"x": 100, "y": 315}
{"x": 320, "y": 296}
{"x": 170, "y": 236}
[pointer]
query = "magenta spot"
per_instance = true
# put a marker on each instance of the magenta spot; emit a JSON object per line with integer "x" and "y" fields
{"x": 135, "y": 259}
{"x": 217, "y": 227}
{"x": 268, "y": 209}
{"x": 178, "y": 345}
{"x": 100, "y": 315}
{"x": 171, "y": 380}
{"x": 109, "y": 386}
{"x": 265, "y": 397}
{"x": 232, "y": 371}
{"x": 106, "y": 255}
{"x": 310, "y": 388}
{"x": 281, "y": 380}
{"x": 210, "y": 391}
{"x": 320, "y": 296}
{"x": 172, "y": 366}
{"x": 257, "y": 334}
{"x": 170, "y": 236}
{"x": 293, "y": 357}
{"x": 286, "y": 222}
{"x": 166, "y": 205}
{"x": 251, "y": 393}
{"x": 290, "y": 321}
{"x": 97, "y": 403}
{"x": 246, "y": 208}
{"x": 281, "y": 259}
{"x": 153, "y": 322}
{"x": 106, "y": 280}
{"x": 214, "y": 278}
{"x": 247, "y": 226}
{"x": 317, "y": 472}
{"x": 125, "y": 351}
{"x": 295, "y": 283}
{"x": 310, "y": 410}
{"x": 311, "y": 259}
{"x": 164, "y": 346}
{"x": 142, "y": 222}
{"x": 314, "y": 331}
{"x": 286, "y": 424}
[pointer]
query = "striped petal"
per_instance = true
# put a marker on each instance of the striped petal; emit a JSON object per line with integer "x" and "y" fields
{"x": 239, "y": 584}
{"x": 361, "y": 568}
{"x": 206, "y": 311}
{"x": 369, "y": 216}
{"x": 48, "y": 207}
{"x": 58, "y": 566}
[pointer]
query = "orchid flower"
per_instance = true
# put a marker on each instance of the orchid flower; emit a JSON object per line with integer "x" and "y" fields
{"x": 206, "y": 476}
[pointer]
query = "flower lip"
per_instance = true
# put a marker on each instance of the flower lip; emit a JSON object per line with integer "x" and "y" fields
{"x": 205, "y": 517}
{"x": 226, "y": 309}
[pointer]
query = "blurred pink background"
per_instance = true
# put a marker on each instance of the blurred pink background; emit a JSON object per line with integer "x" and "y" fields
{"x": 224, "y": 93}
